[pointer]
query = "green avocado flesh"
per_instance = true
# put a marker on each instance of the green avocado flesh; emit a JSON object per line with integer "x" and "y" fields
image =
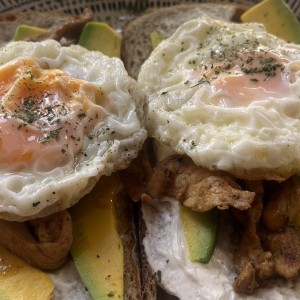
{"x": 95, "y": 36}
{"x": 24, "y": 32}
{"x": 19, "y": 280}
{"x": 200, "y": 231}
{"x": 277, "y": 17}
{"x": 156, "y": 37}
{"x": 100, "y": 37}
{"x": 97, "y": 248}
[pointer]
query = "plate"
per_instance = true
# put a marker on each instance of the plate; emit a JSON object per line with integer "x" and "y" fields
{"x": 116, "y": 13}
{"x": 113, "y": 12}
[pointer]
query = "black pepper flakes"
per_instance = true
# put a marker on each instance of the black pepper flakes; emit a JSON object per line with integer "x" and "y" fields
{"x": 110, "y": 294}
{"x": 35, "y": 204}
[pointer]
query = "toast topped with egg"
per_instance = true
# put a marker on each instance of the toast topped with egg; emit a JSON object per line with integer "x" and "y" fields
{"x": 220, "y": 111}
{"x": 63, "y": 127}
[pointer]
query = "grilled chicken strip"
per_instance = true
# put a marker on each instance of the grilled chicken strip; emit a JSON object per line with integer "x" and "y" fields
{"x": 285, "y": 247}
{"x": 196, "y": 187}
{"x": 268, "y": 248}
{"x": 251, "y": 262}
{"x": 282, "y": 203}
{"x": 44, "y": 243}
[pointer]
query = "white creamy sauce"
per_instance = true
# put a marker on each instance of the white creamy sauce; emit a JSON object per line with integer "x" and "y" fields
{"x": 167, "y": 254}
{"x": 68, "y": 284}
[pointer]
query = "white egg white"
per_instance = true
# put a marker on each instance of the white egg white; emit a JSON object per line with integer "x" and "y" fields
{"x": 116, "y": 138}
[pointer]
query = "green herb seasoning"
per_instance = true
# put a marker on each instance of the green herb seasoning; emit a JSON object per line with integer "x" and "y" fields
{"x": 218, "y": 55}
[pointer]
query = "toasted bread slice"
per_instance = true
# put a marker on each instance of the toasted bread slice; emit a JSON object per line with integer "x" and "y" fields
{"x": 67, "y": 279}
{"x": 127, "y": 231}
{"x": 10, "y": 21}
{"x": 58, "y": 24}
{"x": 149, "y": 288}
{"x": 136, "y": 43}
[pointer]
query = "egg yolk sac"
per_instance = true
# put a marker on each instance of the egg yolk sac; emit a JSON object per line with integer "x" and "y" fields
{"x": 45, "y": 116}
{"x": 241, "y": 77}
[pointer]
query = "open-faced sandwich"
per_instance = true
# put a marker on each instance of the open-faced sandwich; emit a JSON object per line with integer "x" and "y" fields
{"x": 217, "y": 178}
{"x": 100, "y": 230}
{"x": 70, "y": 118}
{"x": 222, "y": 110}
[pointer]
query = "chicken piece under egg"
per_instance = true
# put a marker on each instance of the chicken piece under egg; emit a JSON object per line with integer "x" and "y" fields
{"x": 282, "y": 203}
{"x": 194, "y": 186}
{"x": 44, "y": 243}
{"x": 266, "y": 251}
{"x": 251, "y": 262}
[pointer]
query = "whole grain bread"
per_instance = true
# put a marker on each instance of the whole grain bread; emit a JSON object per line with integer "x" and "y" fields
{"x": 58, "y": 24}
{"x": 10, "y": 21}
{"x": 127, "y": 230}
{"x": 136, "y": 43}
{"x": 149, "y": 288}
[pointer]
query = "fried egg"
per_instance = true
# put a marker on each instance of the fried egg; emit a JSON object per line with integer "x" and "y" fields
{"x": 67, "y": 117}
{"x": 227, "y": 95}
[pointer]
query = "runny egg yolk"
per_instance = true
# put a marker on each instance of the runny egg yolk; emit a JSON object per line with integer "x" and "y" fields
{"x": 247, "y": 78}
{"x": 45, "y": 116}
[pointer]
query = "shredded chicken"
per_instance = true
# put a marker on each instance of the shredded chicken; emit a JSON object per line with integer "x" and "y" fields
{"x": 44, "y": 243}
{"x": 267, "y": 249}
{"x": 251, "y": 262}
{"x": 283, "y": 202}
{"x": 194, "y": 186}
{"x": 285, "y": 247}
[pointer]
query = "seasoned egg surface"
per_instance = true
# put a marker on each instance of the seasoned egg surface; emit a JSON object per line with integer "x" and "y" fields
{"x": 67, "y": 116}
{"x": 227, "y": 95}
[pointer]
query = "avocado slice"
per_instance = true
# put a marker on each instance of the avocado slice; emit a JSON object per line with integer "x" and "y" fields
{"x": 277, "y": 17}
{"x": 200, "y": 231}
{"x": 99, "y": 36}
{"x": 24, "y": 32}
{"x": 97, "y": 248}
{"x": 19, "y": 280}
{"x": 156, "y": 37}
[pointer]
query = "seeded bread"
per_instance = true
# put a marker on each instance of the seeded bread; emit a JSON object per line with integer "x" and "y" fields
{"x": 123, "y": 206}
{"x": 10, "y": 21}
{"x": 136, "y": 47}
{"x": 136, "y": 44}
{"x": 149, "y": 288}
{"x": 127, "y": 231}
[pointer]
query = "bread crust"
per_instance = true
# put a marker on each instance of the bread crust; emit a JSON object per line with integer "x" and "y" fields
{"x": 149, "y": 288}
{"x": 127, "y": 231}
{"x": 50, "y": 20}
